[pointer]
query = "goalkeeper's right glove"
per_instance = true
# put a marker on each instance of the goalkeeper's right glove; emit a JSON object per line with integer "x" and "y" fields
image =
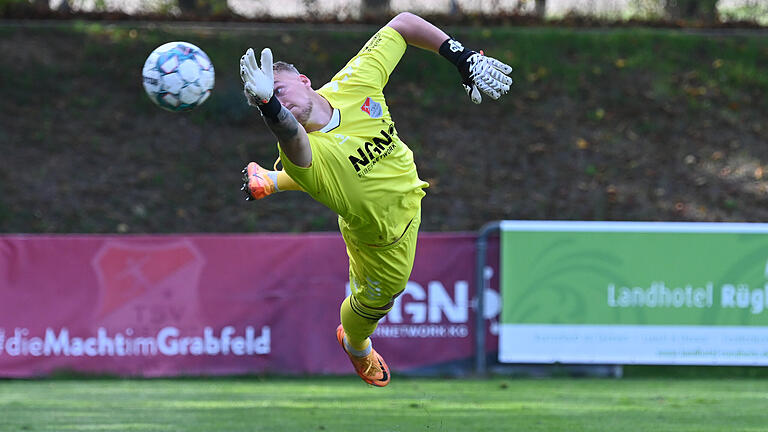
{"x": 259, "y": 82}
{"x": 478, "y": 71}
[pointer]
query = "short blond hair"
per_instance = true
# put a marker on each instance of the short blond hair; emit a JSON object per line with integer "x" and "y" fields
{"x": 281, "y": 66}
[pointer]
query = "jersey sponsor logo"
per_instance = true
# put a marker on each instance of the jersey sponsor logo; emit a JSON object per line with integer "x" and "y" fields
{"x": 367, "y": 155}
{"x": 372, "y": 108}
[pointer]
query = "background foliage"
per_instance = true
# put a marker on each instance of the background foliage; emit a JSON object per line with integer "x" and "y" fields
{"x": 623, "y": 124}
{"x": 658, "y": 12}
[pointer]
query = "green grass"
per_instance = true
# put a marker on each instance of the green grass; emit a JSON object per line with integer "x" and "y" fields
{"x": 346, "y": 404}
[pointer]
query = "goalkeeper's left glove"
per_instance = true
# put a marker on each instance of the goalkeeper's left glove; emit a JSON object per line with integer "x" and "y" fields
{"x": 478, "y": 72}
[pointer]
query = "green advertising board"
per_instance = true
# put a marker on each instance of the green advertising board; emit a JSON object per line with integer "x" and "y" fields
{"x": 634, "y": 292}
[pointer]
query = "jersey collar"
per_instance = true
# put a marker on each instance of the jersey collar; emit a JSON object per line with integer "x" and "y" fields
{"x": 333, "y": 123}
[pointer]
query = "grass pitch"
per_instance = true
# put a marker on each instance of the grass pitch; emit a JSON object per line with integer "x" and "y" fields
{"x": 344, "y": 404}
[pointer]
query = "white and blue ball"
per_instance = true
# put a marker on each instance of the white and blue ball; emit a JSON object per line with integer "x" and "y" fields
{"x": 178, "y": 76}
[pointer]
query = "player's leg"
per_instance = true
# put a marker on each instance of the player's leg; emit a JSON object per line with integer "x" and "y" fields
{"x": 361, "y": 322}
{"x": 356, "y": 342}
{"x": 261, "y": 182}
{"x": 377, "y": 277}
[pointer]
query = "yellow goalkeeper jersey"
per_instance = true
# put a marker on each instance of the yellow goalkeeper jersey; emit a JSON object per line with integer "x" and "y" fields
{"x": 360, "y": 168}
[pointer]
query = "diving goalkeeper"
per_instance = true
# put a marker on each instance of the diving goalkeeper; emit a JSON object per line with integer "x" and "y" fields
{"x": 340, "y": 145}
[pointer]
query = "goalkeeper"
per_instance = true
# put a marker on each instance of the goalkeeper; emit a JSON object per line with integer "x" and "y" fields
{"x": 339, "y": 145}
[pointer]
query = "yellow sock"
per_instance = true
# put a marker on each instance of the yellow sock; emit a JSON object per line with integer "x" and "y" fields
{"x": 359, "y": 323}
{"x": 285, "y": 182}
{"x": 281, "y": 178}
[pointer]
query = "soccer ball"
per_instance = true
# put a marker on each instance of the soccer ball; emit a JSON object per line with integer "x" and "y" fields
{"x": 178, "y": 76}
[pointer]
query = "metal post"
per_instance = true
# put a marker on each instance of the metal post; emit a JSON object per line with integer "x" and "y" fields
{"x": 481, "y": 248}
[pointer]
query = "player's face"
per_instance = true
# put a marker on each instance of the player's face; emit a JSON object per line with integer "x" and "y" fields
{"x": 293, "y": 91}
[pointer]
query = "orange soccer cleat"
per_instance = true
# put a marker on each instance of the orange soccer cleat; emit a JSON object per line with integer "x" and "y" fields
{"x": 371, "y": 368}
{"x": 256, "y": 182}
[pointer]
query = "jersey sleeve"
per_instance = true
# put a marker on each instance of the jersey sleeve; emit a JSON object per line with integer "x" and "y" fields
{"x": 306, "y": 177}
{"x": 319, "y": 179}
{"x": 373, "y": 65}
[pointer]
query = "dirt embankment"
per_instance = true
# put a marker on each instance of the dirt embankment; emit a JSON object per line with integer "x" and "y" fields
{"x": 591, "y": 135}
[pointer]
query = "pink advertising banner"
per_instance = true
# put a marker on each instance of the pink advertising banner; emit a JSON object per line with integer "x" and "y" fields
{"x": 167, "y": 305}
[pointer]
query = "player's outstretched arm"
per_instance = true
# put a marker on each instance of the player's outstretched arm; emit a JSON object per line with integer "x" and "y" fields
{"x": 478, "y": 71}
{"x": 258, "y": 82}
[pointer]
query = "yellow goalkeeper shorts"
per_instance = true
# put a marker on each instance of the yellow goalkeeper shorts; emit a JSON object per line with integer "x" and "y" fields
{"x": 377, "y": 274}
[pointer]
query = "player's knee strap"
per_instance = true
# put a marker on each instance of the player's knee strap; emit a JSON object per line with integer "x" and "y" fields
{"x": 359, "y": 322}
{"x": 367, "y": 312}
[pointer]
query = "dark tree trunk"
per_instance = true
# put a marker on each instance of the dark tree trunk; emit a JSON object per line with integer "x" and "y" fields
{"x": 374, "y": 8}
{"x": 203, "y": 8}
{"x": 41, "y": 5}
{"x": 692, "y": 10}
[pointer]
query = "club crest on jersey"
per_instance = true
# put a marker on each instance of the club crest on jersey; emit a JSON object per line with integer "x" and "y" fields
{"x": 372, "y": 108}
